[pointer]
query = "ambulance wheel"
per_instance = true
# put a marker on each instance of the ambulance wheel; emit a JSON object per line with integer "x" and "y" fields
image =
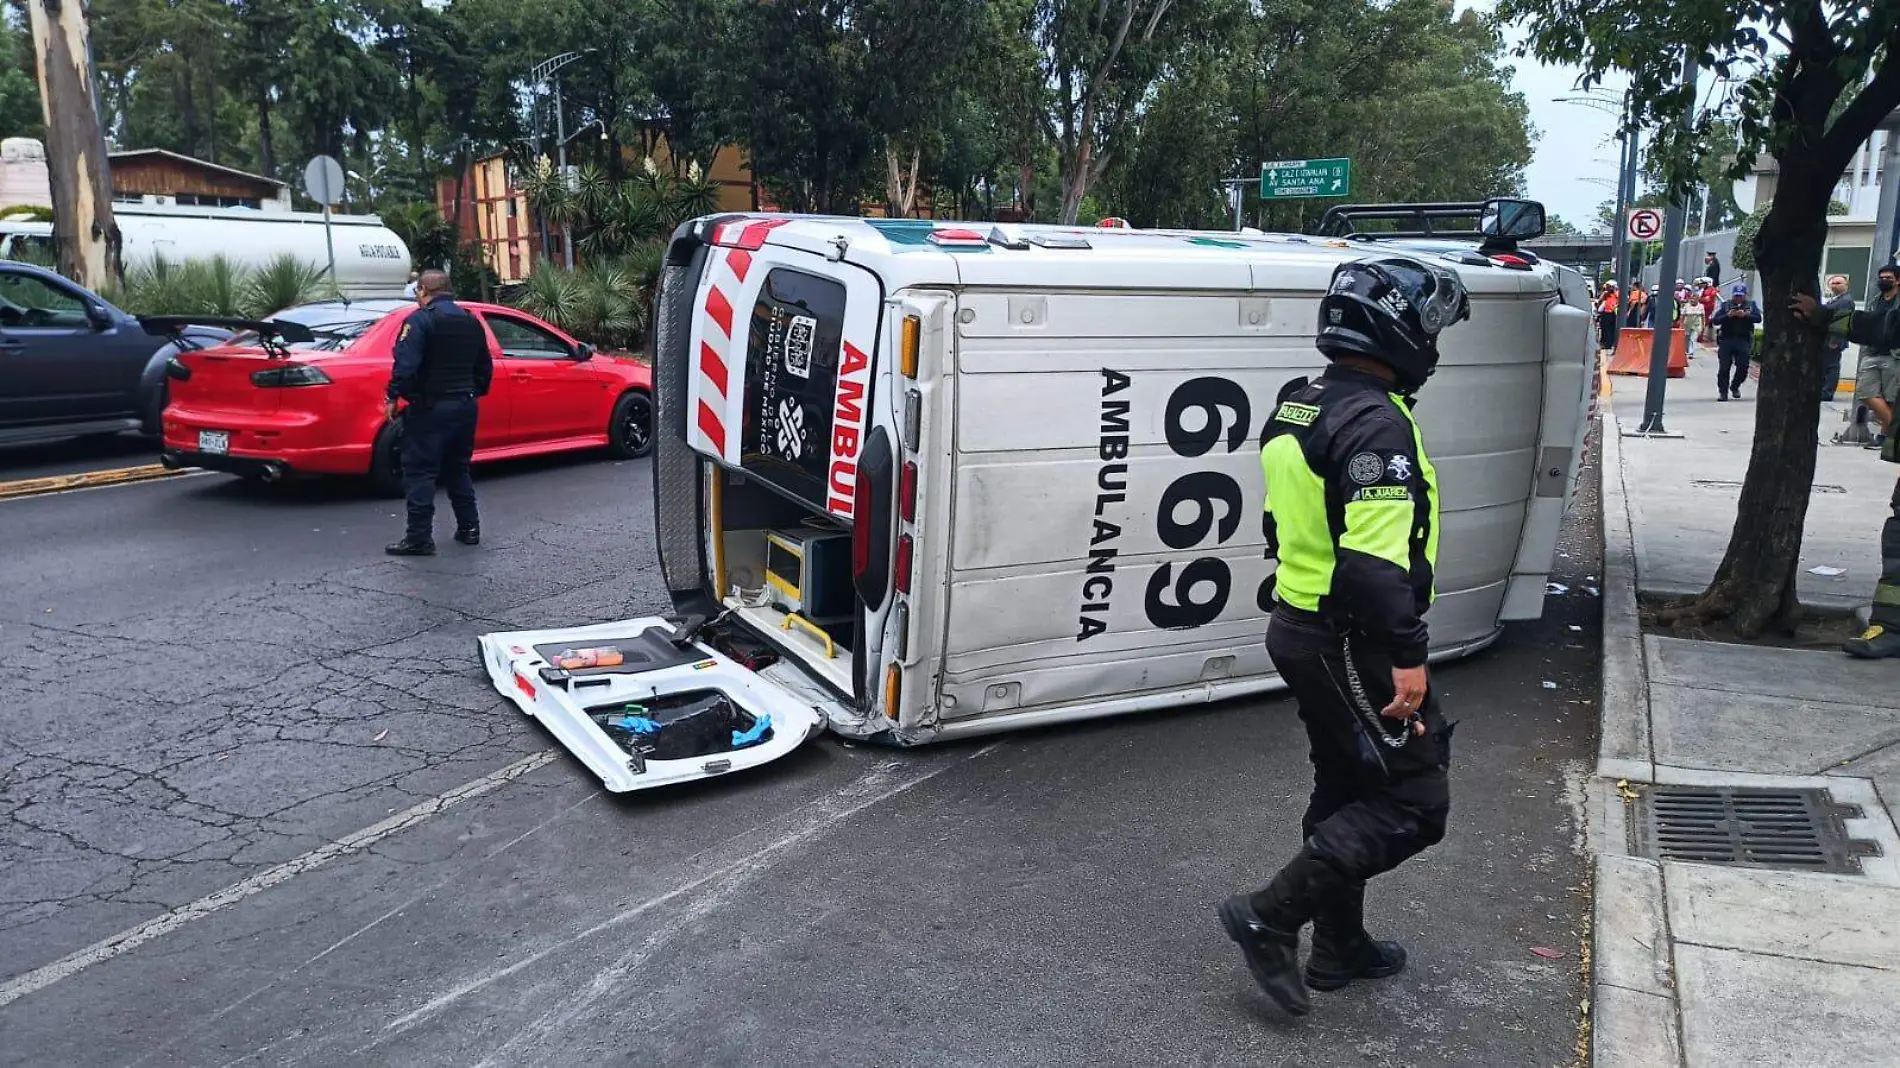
{"x": 385, "y": 462}
{"x": 630, "y": 431}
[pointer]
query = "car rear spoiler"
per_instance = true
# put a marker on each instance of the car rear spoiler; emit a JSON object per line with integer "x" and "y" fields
{"x": 1502, "y": 221}
{"x": 275, "y": 336}
{"x": 269, "y": 329}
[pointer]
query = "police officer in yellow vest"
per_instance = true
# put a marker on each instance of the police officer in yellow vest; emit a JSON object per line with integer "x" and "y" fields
{"x": 1353, "y": 516}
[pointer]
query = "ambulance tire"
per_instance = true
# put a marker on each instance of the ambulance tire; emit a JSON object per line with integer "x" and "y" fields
{"x": 630, "y": 429}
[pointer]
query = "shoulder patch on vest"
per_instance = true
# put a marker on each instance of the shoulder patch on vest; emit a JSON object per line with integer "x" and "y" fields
{"x": 1296, "y": 413}
{"x": 404, "y": 336}
{"x": 1365, "y": 468}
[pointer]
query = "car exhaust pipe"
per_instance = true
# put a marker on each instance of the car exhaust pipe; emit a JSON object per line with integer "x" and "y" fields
{"x": 273, "y": 473}
{"x": 169, "y": 461}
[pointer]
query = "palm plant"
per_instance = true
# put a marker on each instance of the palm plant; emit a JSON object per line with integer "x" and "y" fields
{"x": 284, "y": 282}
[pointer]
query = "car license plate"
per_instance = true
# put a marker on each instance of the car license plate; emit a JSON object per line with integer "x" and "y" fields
{"x": 216, "y": 442}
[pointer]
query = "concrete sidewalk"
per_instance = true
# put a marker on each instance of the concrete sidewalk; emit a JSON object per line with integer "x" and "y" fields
{"x": 1700, "y": 964}
{"x": 1683, "y": 492}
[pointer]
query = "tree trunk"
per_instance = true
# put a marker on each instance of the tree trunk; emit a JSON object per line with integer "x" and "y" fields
{"x": 266, "y": 157}
{"x": 900, "y": 191}
{"x": 85, "y": 236}
{"x": 1754, "y": 588}
{"x": 1075, "y": 178}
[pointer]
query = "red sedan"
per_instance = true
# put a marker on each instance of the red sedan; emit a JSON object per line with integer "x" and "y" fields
{"x": 316, "y": 407}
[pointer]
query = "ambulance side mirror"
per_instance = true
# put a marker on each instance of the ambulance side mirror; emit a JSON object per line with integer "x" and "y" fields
{"x": 1511, "y": 220}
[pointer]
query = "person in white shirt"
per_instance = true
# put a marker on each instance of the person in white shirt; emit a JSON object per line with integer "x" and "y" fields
{"x": 409, "y": 291}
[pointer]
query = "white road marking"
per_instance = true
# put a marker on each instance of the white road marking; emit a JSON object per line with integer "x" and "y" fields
{"x": 731, "y": 874}
{"x": 125, "y": 941}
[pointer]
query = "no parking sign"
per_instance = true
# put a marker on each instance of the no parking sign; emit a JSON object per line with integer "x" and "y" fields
{"x": 1645, "y": 224}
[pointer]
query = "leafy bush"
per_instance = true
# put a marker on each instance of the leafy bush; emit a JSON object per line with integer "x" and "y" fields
{"x": 1745, "y": 238}
{"x": 607, "y": 303}
{"x": 613, "y": 219}
{"x": 217, "y": 286}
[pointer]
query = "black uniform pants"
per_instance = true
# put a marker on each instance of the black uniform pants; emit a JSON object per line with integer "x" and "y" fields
{"x": 1606, "y": 330}
{"x": 438, "y": 437}
{"x": 1732, "y": 353}
{"x": 1373, "y": 807}
{"x": 1887, "y": 593}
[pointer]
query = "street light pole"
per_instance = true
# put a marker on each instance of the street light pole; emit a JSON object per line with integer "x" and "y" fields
{"x": 550, "y": 68}
{"x": 540, "y": 220}
{"x": 1625, "y": 196}
{"x": 560, "y": 136}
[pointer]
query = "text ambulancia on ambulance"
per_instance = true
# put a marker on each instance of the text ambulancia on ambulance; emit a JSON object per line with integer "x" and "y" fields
{"x": 918, "y": 480}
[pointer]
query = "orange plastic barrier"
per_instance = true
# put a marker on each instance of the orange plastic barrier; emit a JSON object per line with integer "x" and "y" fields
{"x": 1632, "y": 352}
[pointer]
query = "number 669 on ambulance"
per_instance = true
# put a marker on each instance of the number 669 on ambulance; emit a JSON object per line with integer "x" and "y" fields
{"x": 918, "y": 480}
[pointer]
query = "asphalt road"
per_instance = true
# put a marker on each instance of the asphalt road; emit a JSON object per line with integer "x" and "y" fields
{"x": 212, "y": 684}
{"x": 72, "y": 456}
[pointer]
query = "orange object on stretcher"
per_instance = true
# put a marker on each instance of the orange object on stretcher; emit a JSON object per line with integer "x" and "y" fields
{"x": 1632, "y": 352}
{"x": 575, "y": 659}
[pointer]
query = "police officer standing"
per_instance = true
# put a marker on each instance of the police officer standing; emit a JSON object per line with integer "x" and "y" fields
{"x": 1353, "y": 519}
{"x": 442, "y": 367}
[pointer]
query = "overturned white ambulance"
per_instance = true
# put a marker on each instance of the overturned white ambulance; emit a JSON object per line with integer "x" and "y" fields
{"x": 919, "y": 480}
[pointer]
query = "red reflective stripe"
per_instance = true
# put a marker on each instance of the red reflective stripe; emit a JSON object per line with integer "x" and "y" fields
{"x": 720, "y": 309}
{"x": 712, "y": 367}
{"x": 753, "y": 236}
{"x": 740, "y": 261}
{"x": 524, "y": 685}
{"x": 710, "y": 426}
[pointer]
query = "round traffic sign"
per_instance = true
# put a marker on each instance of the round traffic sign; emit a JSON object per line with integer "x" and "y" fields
{"x": 1645, "y": 224}
{"x": 323, "y": 180}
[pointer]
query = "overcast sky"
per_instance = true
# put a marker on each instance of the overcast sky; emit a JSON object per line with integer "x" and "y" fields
{"x": 1574, "y": 165}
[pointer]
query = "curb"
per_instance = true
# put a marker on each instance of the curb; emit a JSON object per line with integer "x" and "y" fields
{"x": 1635, "y": 1016}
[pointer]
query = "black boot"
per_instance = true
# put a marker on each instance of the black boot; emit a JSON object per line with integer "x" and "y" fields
{"x": 469, "y": 535}
{"x": 1267, "y": 925}
{"x": 1342, "y": 951}
{"x": 411, "y": 545}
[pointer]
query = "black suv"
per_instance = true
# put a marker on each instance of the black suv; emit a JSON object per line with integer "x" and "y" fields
{"x": 71, "y": 363}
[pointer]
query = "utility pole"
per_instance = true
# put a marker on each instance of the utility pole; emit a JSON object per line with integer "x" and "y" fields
{"x": 85, "y": 235}
{"x": 1663, "y": 340}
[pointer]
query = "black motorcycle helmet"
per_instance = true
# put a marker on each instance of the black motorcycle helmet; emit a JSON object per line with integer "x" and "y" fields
{"x": 1391, "y": 309}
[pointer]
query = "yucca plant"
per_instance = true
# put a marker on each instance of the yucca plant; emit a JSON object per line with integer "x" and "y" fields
{"x": 645, "y": 263}
{"x": 284, "y": 282}
{"x": 697, "y": 193}
{"x": 209, "y": 287}
{"x": 552, "y": 294}
{"x": 612, "y": 306}
{"x": 157, "y": 286}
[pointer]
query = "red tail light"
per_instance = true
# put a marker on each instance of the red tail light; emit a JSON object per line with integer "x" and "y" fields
{"x": 903, "y": 564}
{"x": 907, "y": 492}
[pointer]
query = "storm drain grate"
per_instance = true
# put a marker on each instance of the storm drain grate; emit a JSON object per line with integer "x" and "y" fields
{"x": 1795, "y": 830}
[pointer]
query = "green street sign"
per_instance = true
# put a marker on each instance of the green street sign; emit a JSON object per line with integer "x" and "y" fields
{"x": 1290, "y": 178}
